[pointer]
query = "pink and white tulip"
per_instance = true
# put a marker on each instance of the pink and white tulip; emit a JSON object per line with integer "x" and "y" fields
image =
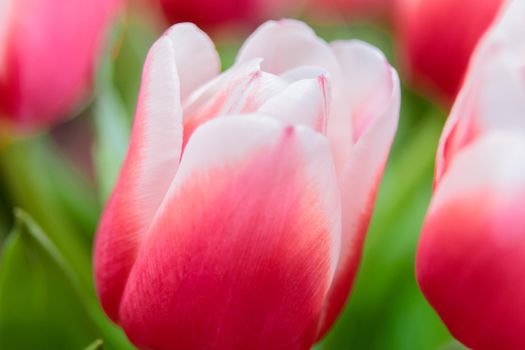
{"x": 471, "y": 256}
{"x": 435, "y": 39}
{"x": 239, "y": 215}
{"x": 48, "y": 51}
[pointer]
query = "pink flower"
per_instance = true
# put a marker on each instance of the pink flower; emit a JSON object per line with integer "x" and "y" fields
{"x": 48, "y": 49}
{"x": 471, "y": 257}
{"x": 240, "y": 212}
{"x": 436, "y": 39}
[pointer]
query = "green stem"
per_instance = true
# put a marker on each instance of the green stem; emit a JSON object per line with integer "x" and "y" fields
{"x": 113, "y": 336}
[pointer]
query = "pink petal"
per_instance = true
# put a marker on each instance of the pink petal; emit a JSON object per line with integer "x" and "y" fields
{"x": 242, "y": 89}
{"x": 375, "y": 110}
{"x": 493, "y": 94}
{"x": 436, "y": 38}
{"x": 149, "y": 168}
{"x": 195, "y": 55}
{"x": 368, "y": 86}
{"x": 38, "y": 84}
{"x": 303, "y": 102}
{"x": 303, "y": 72}
{"x": 471, "y": 256}
{"x": 242, "y": 252}
{"x": 287, "y": 44}
{"x": 7, "y": 8}
{"x": 363, "y": 97}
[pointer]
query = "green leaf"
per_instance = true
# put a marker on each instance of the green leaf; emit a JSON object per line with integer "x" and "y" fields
{"x": 96, "y": 345}
{"x": 40, "y": 295}
{"x": 40, "y": 309}
{"x": 27, "y": 170}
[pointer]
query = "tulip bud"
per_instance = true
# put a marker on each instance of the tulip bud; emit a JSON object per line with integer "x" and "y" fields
{"x": 48, "y": 49}
{"x": 436, "y": 38}
{"x": 471, "y": 256}
{"x": 238, "y": 218}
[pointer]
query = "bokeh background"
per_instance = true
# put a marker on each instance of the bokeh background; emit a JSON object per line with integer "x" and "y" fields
{"x": 54, "y": 182}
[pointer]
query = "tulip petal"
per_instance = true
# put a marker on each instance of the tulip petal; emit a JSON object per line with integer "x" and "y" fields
{"x": 493, "y": 95}
{"x": 6, "y": 15}
{"x": 368, "y": 81}
{"x": 243, "y": 89}
{"x": 287, "y": 44}
{"x": 245, "y": 245}
{"x": 39, "y": 85}
{"x": 436, "y": 38}
{"x": 148, "y": 170}
{"x": 303, "y": 102}
{"x": 195, "y": 55}
{"x": 471, "y": 255}
{"x": 376, "y": 111}
{"x": 303, "y": 72}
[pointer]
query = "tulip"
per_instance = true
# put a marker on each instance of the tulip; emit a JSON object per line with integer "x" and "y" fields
{"x": 220, "y": 13}
{"x": 48, "y": 49}
{"x": 435, "y": 39}
{"x": 471, "y": 256}
{"x": 239, "y": 215}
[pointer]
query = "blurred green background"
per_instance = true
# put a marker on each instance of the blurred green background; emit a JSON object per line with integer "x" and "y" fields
{"x": 58, "y": 182}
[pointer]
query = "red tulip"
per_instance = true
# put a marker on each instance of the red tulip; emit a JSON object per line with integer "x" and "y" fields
{"x": 212, "y": 14}
{"x": 436, "y": 39}
{"x": 48, "y": 49}
{"x": 239, "y": 215}
{"x": 471, "y": 257}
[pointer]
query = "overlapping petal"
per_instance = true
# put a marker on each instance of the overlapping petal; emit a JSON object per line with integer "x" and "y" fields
{"x": 374, "y": 104}
{"x": 149, "y": 168}
{"x": 291, "y": 49}
{"x": 470, "y": 259}
{"x": 471, "y": 255}
{"x": 288, "y": 44}
{"x": 245, "y": 244}
{"x": 195, "y": 56}
{"x": 306, "y": 101}
{"x": 243, "y": 89}
{"x": 281, "y": 157}
{"x": 493, "y": 94}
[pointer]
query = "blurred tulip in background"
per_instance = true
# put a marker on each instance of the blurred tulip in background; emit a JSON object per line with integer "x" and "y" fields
{"x": 217, "y": 14}
{"x": 48, "y": 52}
{"x": 435, "y": 39}
{"x": 471, "y": 257}
{"x": 350, "y": 10}
{"x": 240, "y": 212}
